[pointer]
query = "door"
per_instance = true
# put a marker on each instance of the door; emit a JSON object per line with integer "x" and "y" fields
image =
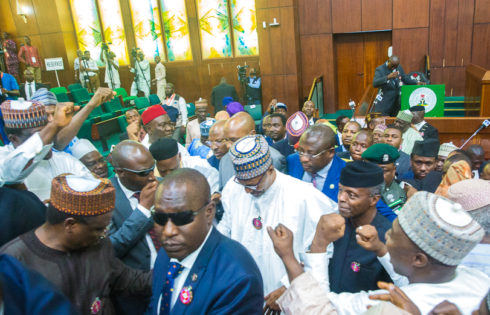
{"x": 356, "y": 58}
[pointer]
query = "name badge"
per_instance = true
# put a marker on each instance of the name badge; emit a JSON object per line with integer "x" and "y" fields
{"x": 33, "y": 59}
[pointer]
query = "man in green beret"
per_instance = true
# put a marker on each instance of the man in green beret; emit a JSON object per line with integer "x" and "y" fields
{"x": 385, "y": 156}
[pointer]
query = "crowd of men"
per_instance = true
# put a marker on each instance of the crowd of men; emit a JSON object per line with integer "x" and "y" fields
{"x": 222, "y": 215}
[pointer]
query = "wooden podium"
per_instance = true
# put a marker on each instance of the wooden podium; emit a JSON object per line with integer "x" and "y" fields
{"x": 477, "y": 91}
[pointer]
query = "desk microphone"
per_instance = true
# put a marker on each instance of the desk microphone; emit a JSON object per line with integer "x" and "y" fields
{"x": 484, "y": 125}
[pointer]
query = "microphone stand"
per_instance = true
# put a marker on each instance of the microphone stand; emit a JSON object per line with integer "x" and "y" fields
{"x": 109, "y": 68}
{"x": 483, "y": 126}
{"x": 86, "y": 76}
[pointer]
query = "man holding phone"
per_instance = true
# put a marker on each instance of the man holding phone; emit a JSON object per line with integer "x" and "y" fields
{"x": 388, "y": 78}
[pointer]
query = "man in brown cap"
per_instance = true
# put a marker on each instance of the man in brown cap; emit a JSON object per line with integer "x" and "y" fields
{"x": 71, "y": 250}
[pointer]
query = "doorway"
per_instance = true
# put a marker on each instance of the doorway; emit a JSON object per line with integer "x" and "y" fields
{"x": 356, "y": 58}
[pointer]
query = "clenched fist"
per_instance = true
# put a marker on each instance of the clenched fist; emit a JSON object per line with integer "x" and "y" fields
{"x": 330, "y": 228}
{"x": 367, "y": 237}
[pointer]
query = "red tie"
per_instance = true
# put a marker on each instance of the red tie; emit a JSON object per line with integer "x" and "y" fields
{"x": 153, "y": 234}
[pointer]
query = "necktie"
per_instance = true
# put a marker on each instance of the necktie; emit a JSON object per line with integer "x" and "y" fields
{"x": 313, "y": 179}
{"x": 174, "y": 270}
{"x": 153, "y": 235}
{"x": 31, "y": 90}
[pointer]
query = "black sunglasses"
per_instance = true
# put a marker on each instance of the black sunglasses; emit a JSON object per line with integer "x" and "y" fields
{"x": 178, "y": 218}
{"x": 142, "y": 173}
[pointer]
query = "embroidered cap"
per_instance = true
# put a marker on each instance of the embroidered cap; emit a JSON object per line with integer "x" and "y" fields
{"x": 439, "y": 227}
{"x": 251, "y": 157}
{"x": 201, "y": 102}
{"x": 23, "y": 114}
{"x": 381, "y": 128}
{"x": 297, "y": 124}
{"x": 82, "y": 195}
{"x": 205, "y": 126}
{"x": 44, "y": 97}
{"x": 472, "y": 194}
{"x": 446, "y": 148}
{"x": 405, "y": 115}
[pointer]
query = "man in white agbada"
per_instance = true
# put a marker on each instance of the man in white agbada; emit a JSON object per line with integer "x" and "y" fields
{"x": 142, "y": 78}
{"x": 259, "y": 196}
{"x": 160, "y": 78}
{"x": 30, "y": 139}
{"x": 166, "y": 154}
{"x": 111, "y": 69}
{"x": 27, "y": 123}
{"x": 427, "y": 243}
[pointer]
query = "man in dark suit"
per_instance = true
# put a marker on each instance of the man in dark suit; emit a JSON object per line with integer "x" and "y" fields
{"x": 427, "y": 131}
{"x": 199, "y": 271}
{"x": 316, "y": 162}
{"x": 27, "y": 89}
{"x": 221, "y": 91}
{"x": 388, "y": 79}
{"x": 131, "y": 225}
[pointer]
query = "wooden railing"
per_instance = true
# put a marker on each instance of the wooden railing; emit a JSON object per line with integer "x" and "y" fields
{"x": 366, "y": 101}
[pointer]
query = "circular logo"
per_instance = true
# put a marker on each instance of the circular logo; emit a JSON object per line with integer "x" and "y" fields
{"x": 423, "y": 97}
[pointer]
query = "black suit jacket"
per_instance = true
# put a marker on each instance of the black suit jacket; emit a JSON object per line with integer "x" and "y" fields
{"x": 219, "y": 92}
{"x": 37, "y": 86}
{"x": 429, "y": 132}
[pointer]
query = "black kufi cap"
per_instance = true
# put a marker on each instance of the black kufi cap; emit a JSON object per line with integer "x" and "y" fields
{"x": 426, "y": 148}
{"x": 361, "y": 174}
{"x": 164, "y": 148}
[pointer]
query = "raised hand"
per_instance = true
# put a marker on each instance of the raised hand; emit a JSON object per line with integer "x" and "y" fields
{"x": 101, "y": 96}
{"x": 282, "y": 238}
{"x": 63, "y": 114}
{"x": 147, "y": 195}
{"x": 396, "y": 296}
{"x": 330, "y": 228}
{"x": 367, "y": 237}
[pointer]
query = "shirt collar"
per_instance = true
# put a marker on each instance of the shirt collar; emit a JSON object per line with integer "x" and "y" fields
{"x": 324, "y": 171}
{"x": 128, "y": 193}
{"x": 189, "y": 261}
{"x": 420, "y": 125}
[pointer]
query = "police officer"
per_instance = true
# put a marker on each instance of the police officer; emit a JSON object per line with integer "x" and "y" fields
{"x": 385, "y": 156}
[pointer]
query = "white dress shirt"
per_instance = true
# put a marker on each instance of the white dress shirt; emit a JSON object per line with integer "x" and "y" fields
{"x": 30, "y": 89}
{"x": 135, "y": 205}
{"x": 321, "y": 176}
{"x": 179, "y": 281}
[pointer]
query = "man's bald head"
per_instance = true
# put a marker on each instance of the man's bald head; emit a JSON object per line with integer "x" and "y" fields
{"x": 477, "y": 155}
{"x": 393, "y": 62}
{"x": 320, "y": 133}
{"x": 239, "y": 126}
{"x": 127, "y": 151}
{"x": 193, "y": 186}
{"x": 218, "y": 127}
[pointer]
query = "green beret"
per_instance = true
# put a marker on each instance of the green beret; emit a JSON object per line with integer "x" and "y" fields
{"x": 381, "y": 153}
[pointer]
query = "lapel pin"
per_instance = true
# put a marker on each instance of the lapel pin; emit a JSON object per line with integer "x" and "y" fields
{"x": 332, "y": 186}
{"x": 355, "y": 266}
{"x": 186, "y": 295}
{"x": 194, "y": 277}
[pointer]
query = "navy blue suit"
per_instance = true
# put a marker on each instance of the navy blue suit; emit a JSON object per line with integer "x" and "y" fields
{"x": 348, "y": 256}
{"x": 228, "y": 280}
{"x": 331, "y": 186}
{"x": 296, "y": 170}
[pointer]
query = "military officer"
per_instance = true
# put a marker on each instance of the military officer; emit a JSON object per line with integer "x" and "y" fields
{"x": 385, "y": 156}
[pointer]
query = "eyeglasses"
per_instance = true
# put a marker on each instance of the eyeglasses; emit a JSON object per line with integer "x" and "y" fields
{"x": 311, "y": 156}
{"x": 141, "y": 173}
{"x": 216, "y": 142}
{"x": 178, "y": 218}
{"x": 254, "y": 187}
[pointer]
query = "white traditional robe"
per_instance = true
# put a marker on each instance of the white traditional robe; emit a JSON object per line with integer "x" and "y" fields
{"x": 13, "y": 161}
{"x": 290, "y": 201}
{"x": 39, "y": 181}
{"x": 308, "y": 296}
{"x": 160, "y": 76}
{"x": 115, "y": 75}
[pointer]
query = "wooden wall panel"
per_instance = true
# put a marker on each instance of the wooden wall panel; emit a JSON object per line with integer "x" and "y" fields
{"x": 411, "y": 45}
{"x": 22, "y": 28}
{"x": 263, "y": 4}
{"x": 315, "y": 16}
{"x": 46, "y": 18}
{"x": 451, "y": 33}
{"x": 410, "y": 14}
{"x": 317, "y": 60}
{"x": 346, "y": 16}
{"x": 480, "y": 54}
{"x": 282, "y": 87}
{"x": 7, "y": 23}
{"x": 482, "y": 11}
{"x": 465, "y": 28}
{"x": 436, "y": 32}
{"x": 454, "y": 78}
{"x": 377, "y": 15}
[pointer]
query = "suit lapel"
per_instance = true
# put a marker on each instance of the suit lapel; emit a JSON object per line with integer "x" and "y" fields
{"x": 122, "y": 203}
{"x": 198, "y": 269}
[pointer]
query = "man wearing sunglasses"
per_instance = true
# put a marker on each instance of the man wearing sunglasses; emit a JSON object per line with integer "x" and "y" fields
{"x": 199, "y": 271}
{"x": 131, "y": 225}
{"x": 260, "y": 196}
{"x": 315, "y": 160}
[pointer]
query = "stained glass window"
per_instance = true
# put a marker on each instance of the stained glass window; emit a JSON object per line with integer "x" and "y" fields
{"x": 244, "y": 28}
{"x": 177, "y": 37}
{"x": 87, "y": 25}
{"x": 214, "y": 28}
{"x": 147, "y": 30}
{"x": 110, "y": 13}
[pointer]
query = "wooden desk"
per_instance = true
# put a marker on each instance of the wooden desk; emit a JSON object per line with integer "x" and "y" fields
{"x": 458, "y": 130}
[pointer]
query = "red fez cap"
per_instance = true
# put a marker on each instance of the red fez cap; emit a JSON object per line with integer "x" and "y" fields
{"x": 152, "y": 112}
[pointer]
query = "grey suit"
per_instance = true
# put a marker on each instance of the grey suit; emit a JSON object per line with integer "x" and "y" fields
{"x": 387, "y": 101}
{"x": 128, "y": 232}
{"x": 402, "y": 164}
{"x": 227, "y": 171}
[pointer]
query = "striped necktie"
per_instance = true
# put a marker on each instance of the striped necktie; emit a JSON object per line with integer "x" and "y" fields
{"x": 313, "y": 179}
